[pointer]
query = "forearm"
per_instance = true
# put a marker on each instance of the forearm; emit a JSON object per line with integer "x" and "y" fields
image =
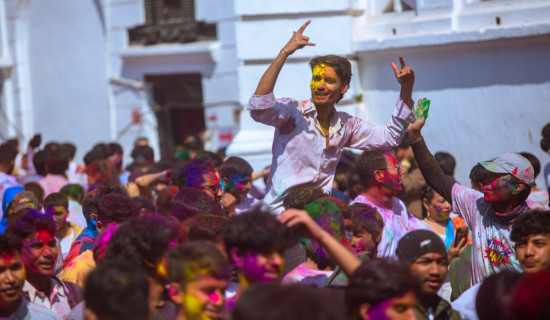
{"x": 432, "y": 172}
{"x": 147, "y": 179}
{"x": 268, "y": 80}
{"x": 340, "y": 254}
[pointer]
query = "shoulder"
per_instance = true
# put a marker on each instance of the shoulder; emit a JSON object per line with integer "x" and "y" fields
{"x": 466, "y": 193}
{"x": 37, "y": 312}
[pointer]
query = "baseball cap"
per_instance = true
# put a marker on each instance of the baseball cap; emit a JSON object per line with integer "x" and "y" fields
{"x": 514, "y": 164}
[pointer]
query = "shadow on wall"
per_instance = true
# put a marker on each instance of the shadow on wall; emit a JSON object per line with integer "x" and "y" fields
{"x": 515, "y": 61}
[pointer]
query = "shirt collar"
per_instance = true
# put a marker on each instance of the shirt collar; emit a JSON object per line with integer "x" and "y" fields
{"x": 336, "y": 123}
{"x": 31, "y": 291}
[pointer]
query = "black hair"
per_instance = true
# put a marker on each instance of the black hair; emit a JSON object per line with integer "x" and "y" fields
{"x": 235, "y": 166}
{"x": 143, "y": 153}
{"x": 426, "y": 193}
{"x": 530, "y": 223}
{"x": 37, "y": 189}
{"x": 30, "y": 222}
{"x": 9, "y": 244}
{"x": 57, "y": 162}
{"x": 190, "y": 202}
{"x": 92, "y": 156}
{"x": 495, "y": 293}
{"x": 187, "y": 260}
{"x": 530, "y": 298}
{"x": 341, "y": 66}
{"x": 113, "y": 148}
{"x": 164, "y": 200}
{"x": 274, "y": 301}
{"x": 117, "y": 290}
{"x": 367, "y": 163}
{"x": 207, "y": 227}
{"x": 379, "y": 280}
{"x": 74, "y": 191}
{"x": 208, "y": 155}
{"x": 90, "y": 201}
{"x": 142, "y": 240}
{"x": 50, "y": 146}
{"x": 7, "y": 153}
{"x": 545, "y": 141}
{"x": 367, "y": 218}
{"x": 477, "y": 174}
{"x": 144, "y": 203}
{"x": 56, "y": 199}
{"x": 191, "y": 173}
{"x": 298, "y": 197}
{"x": 533, "y": 160}
{"x": 39, "y": 162}
{"x": 257, "y": 230}
{"x": 69, "y": 148}
{"x": 447, "y": 162}
{"x": 116, "y": 208}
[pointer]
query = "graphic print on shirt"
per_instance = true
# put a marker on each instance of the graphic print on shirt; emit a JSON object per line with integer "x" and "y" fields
{"x": 498, "y": 252}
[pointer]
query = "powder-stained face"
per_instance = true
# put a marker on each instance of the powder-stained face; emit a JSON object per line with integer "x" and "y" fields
{"x": 12, "y": 277}
{"x": 204, "y": 298}
{"x": 397, "y": 308}
{"x": 261, "y": 267}
{"x": 391, "y": 177}
{"x": 439, "y": 208}
{"x": 59, "y": 215}
{"x": 326, "y": 86}
{"x": 209, "y": 184}
{"x": 39, "y": 253}
{"x": 533, "y": 253}
{"x": 499, "y": 190}
{"x": 238, "y": 185}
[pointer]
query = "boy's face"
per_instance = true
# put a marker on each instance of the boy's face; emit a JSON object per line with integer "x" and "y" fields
{"x": 397, "y": 308}
{"x": 430, "y": 269}
{"x": 39, "y": 253}
{"x": 533, "y": 253}
{"x": 59, "y": 214}
{"x": 204, "y": 298}
{"x": 259, "y": 267}
{"x": 326, "y": 86}
{"x": 362, "y": 242}
{"x": 238, "y": 185}
{"x": 12, "y": 277}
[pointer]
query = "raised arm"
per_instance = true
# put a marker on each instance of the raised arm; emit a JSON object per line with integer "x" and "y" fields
{"x": 405, "y": 77}
{"x": 298, "y": 41}
{"x": 432, "y": 172}
{"x": 341, "y": 255}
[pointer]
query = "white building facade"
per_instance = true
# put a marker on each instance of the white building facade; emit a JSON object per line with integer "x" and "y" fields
{"x": 86, "y": 71}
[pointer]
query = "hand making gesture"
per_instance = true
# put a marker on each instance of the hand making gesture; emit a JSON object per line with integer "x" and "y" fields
{"x": 405, "y": 77}
{"x": 298, "y": 40}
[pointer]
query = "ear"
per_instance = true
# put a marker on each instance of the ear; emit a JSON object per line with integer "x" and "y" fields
{"x": 175, "y": 292}
{"x": 364, "y": 311}
{"x": 237, "y": 258}
{"x": 344, "y": 88}
{"x": 378, "y": 175}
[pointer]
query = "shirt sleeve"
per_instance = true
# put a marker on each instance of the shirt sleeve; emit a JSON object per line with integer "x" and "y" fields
{"x": 464, "y": 202}
{"x": 368, "y": 136}
{"x": 270, "y": 111}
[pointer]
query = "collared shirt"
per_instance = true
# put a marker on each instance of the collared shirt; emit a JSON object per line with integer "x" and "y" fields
{"x": 397, "y": 222}
{"x": 57, "y": 301}
{"x": 52, "y": 183}
{"x": 30, "y": 311}
{"x": 302, "y": 154}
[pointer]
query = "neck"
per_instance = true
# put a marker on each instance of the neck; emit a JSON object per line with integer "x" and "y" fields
{"x": 442, "y": 223}
{"x": 323, "y": 113}
{"x": 40, "y": 282}
{"x": 7, "y": 310}
{"x": 503, "y": 207}
{"x": 63, "y": 231}
{"x": 429, "y": 300}
{"x": 379, "y": 198}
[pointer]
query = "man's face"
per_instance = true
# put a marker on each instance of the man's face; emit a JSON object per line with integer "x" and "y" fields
{"x": 499, "y": 190}
{"x": 533, "y": 253}
{"x": 238, "y": 185}
{"x": 326, "y": 86}
{"x": 39, "y": 253}
{"x": 12, "y": 277}
{"x": 260, "y": 267}
{"x": 390, "y": 178}
{"x": 362, "y": 242}
{"x": 210, "y": 185}
{"x": 430, "y": 269}
{"x": 204, "y": 298}
{"x": 397, "y": 308}
{"x": 59, "y": 214}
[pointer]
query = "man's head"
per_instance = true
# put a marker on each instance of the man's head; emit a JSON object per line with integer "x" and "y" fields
{"x": 189, "y": 203}
{"x": 446, "y": 161}
{"x": 57, "y": 206}
{"x": 115, "y": 154}
{"x": 382, "y": 289}
{"x": 198, "y": 275}
{"x": 114, "y": 208}
{"x": 477, "y": 177}
{"x": 427, "y": 255}
{"x": 509, "y": 179}
{"x": 298, "y": 197}
{"x": 366, "y": 228}
{"x": 57, "y": 162}
{"x": 12, "y": 271}
{"x": 7, "y": 157}
{"x": 236, "y": 175}
{"x": 69, "y": 149}
{"x": 531, "y": 234}
{"x": 199, "y": 174}
{"x": 495, "y": 294}
{"x": 255, "y": 241}
{"x": 330, "y": 79}
{"x": 39, "y": 248}
{"x": 207, "y": 227}
{"x": 116, "y": 290}
{"x": 379, "y": 169}
{"x": 23, "y": 200}
{"x": 90, "y": 203}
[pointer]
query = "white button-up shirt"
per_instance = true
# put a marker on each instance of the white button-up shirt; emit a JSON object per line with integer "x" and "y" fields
{"x": 301, "y": 155}
{"x": 58, "y": 301}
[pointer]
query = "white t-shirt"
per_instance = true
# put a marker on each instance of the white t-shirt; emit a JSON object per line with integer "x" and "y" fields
{"x": 304, "y": 275}
{"x": 66, "y": 242}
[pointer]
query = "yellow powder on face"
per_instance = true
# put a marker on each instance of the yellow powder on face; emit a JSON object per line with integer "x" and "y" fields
{"x": 193, "y": 307}
{"x": 317, "y": 72}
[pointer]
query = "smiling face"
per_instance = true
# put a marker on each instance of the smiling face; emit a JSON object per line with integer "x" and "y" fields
{"x": 259, "y": 267}
{"x": 12, "y": 277}
{"x": 326, "y": 86}
{"x": 204, "y": 298}
{"x": 533, "y": 253}
{"x": 438, "y": 208}
{"x": 430, "y": 269}
{"x": 39, "y": 253}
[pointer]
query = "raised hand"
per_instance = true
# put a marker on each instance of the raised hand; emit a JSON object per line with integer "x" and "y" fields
{"x": 420, "y": 114}
{"x": 405, "y": 77}
{"x": 298, "y": 40}
{"x": 456, "y": 249}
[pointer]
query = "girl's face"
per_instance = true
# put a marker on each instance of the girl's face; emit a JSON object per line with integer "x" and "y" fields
{"x": 438, "y": 208}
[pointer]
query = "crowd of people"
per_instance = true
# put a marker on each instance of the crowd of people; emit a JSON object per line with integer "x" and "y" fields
{"x": 387, "y": 233}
